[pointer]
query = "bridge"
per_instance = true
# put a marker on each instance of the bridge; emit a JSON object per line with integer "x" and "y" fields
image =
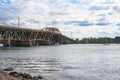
{"x": 16, "y": 36}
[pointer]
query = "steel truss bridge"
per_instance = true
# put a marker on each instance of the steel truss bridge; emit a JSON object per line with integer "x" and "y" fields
{"x": 14, "y": 36}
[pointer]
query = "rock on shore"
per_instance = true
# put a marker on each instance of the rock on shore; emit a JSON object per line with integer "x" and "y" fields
{"x": 9, "y": 74}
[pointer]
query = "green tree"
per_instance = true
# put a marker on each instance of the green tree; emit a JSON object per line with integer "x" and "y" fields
{"x": 77, "y": 40}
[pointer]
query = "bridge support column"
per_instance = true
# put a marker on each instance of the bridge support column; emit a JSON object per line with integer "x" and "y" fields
{"x": 22, "y": 43}
{"x": 6, "y": 43}
{"x": 16, "y": 43}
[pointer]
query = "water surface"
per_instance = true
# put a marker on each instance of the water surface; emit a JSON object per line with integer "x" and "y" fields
{"x": 65, "y": 62}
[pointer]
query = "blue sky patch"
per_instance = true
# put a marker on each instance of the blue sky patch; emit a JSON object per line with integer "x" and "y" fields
{"x": 5, "y": 2}
{"x": 97, "y": 8}
{"x": 118, "y": 24}
{"x": 102, "y": 23}
{"x": 102, "y": 19}
{"x": 116, "y": 8}
{"x": 110, "y": 13}
{"x": 73, "y": 1}
{"x": 104, "y": 33}
{"x": 101, "y": 15}
{"x": 108, "y": 2}
{"x": 33, "y": 21}
{"x": 79, "y": 23}
{"x": 84, "y": 23}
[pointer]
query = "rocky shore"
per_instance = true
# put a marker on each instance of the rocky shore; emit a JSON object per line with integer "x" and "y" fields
{"x": 11, "y": 74}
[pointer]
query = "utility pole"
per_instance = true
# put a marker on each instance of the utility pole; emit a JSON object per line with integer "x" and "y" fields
{"x": 18, "y": 21}
{"x": 71, "y": 35}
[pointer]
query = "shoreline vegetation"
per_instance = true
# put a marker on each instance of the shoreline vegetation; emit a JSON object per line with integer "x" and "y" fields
{"x": 11, "y": 74}
{"x": 100, "y": 40}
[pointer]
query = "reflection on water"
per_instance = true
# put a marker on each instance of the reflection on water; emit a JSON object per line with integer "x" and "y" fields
{"x": 65, "y": 62}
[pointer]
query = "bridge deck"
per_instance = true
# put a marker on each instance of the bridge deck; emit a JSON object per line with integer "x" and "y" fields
{"x": 18, "y": 28}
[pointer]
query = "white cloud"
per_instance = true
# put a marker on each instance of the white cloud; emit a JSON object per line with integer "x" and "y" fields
{"x": 42, "y": 13}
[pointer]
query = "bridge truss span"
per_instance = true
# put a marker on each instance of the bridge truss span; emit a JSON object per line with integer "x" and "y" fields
{"x": 13, "y": 36}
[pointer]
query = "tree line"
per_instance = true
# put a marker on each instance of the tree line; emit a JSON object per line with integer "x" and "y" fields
{"x": 99, "y": 40}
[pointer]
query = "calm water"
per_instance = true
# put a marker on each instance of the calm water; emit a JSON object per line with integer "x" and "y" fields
{"x": 65, "y": 62}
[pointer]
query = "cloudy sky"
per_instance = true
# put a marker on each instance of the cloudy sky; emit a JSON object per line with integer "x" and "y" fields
{"x": 75, "y": 18}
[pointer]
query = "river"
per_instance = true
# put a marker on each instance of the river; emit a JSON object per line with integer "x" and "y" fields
{"x": 65, "y": 62}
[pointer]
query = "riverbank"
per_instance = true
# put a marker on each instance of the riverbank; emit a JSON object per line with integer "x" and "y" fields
{"x": 4, "y": 76}
{"x": 11, "y": 74}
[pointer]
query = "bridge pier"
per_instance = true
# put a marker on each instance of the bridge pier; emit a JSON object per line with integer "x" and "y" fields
{"x": 41, "y": 42}
{"x": 6, "y": 43}
{"x": 16, "y": 43}
{"x": 22, "y": 43}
